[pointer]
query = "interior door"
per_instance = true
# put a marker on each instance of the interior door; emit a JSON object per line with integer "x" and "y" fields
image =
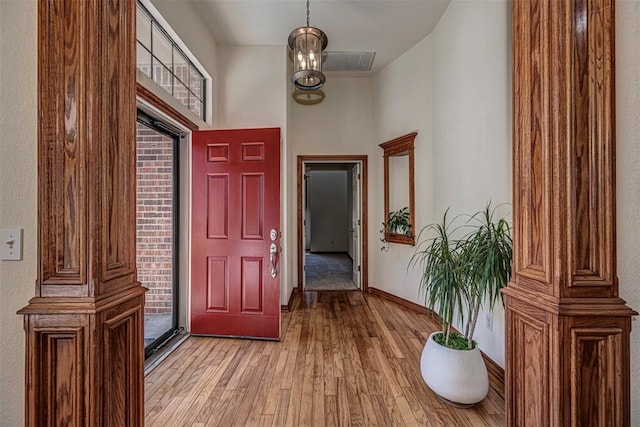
{"x": 235, "y": 235}
{"x": 355, "y": 222}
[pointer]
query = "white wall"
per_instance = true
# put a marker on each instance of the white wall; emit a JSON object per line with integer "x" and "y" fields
{"x": 328, "y": 199}
{"x": 628, "y": 175}
{"x": 251, "y": 87}
{"x": 472, "y": 121}
{"x": 250, "y": 99}
{"x": 341, "y": 124}
{"x": 18, "y": 191}
{"x": 403, "y": 102}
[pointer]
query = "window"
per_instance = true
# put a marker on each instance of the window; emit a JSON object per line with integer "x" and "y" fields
{"x": 160, "y": 58}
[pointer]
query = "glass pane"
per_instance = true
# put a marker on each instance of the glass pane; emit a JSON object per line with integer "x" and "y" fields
{"x": 181, "y": 93}
{"x": 143, "y": 60}
{"x": 162, "y": 47}
{"x": 196, "y": 81}
{"x": 180, "y": 66}
{"x": 197, "y": 107}
{"x": 155, "y": 229}
{"x": 143, "y": 28}
{"x": 163, "y": 76}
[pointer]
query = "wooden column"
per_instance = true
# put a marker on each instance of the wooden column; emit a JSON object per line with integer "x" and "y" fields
{"x": 567, "y": 331}
{"x": 84, "y": 351}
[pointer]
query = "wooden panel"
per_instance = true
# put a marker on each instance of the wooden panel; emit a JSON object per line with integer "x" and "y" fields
{"x": 217, "y": 284}
{"x": 252, "y": 151}
{"x": 62, "y": 146}
{"x": 217, "y": 206}
{"x": 252, "y": 206}
{"x": 218, "y": 152}
{"x": 529, "y": 369}
{"x": 597, "y": 359}
{"x": 591, "y": 140}
{"x": 115, "y": 134}
{"x": 120, "y": 351}
{"x": 122, "y": 362}
{"x": 60, "y": 364}
{"x": 252, "y": 273}
{"x": 533, "y": 176}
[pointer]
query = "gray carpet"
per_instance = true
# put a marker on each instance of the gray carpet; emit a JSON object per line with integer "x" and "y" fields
{"x": 328, "y": 271}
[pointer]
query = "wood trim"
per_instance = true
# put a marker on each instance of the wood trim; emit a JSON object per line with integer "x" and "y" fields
{"x": 405, "y": 303}
{"x": 364, "y": 209}
{"x": 153, "y": 99}
{"x": 495, "y": 371}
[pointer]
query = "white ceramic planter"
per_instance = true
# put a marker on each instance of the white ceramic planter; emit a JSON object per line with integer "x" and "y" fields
{"x": 459, "y": 376}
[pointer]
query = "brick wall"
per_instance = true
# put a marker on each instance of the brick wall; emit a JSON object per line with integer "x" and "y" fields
{"x": 154, "y": 217}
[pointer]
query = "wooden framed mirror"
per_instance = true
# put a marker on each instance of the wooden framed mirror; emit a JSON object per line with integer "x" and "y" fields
{"x": 399, "y": 214}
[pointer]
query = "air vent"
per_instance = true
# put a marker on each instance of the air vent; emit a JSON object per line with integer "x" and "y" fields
{"x": 348, "y": 61}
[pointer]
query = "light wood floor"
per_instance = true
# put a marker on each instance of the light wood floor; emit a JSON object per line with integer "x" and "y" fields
{"x": 346, "y": 358}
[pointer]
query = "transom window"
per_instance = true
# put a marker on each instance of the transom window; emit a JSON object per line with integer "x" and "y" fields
{"x": 160, "y": 58}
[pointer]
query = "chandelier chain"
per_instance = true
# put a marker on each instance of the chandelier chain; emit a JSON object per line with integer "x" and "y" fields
{"x": 307, "y": 13}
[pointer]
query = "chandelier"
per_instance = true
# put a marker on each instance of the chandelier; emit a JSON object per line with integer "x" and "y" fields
{"x": 307, "y": 44}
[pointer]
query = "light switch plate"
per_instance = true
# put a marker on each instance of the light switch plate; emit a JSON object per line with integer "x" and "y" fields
{"x": 11, "y": 244}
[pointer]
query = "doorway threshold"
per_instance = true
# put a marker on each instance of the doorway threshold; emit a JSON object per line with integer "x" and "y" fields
{"x": 164, "y": 351}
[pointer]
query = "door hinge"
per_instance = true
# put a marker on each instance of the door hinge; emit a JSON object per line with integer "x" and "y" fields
{"x": 358, "y": 268}
{"x": 358, "y": 222}
{"x": 358, "y": 176}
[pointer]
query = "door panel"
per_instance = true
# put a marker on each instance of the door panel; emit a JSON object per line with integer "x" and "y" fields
{"x": 236, "y": 202}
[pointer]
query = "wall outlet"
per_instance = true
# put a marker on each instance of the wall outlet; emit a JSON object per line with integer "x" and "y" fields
{"x": 488, "y": 321}
{"x": 11, "y": 244}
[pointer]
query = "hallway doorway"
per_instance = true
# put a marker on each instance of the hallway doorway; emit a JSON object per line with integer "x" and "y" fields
{"x": 332, "y": 225}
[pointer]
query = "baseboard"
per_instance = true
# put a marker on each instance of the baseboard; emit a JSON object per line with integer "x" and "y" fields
{"x": 496, "y": 372}
{"x": 401, "y": 301}
{"x": 496, "y": 375}
{"x": 289, "y": 306}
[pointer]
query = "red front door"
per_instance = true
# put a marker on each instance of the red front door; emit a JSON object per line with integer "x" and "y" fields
{"x": 235, "y": 227}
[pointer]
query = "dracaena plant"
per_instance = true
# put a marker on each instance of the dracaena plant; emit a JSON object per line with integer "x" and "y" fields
{"x": 460, "y": 274}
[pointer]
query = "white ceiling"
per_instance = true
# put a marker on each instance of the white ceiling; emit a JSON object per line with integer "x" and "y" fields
{"x": 388, "y": 27}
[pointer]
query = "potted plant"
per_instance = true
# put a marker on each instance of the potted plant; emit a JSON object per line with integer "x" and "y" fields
{"x": 458, "y": 276}
{"x": 397, "y": 223}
